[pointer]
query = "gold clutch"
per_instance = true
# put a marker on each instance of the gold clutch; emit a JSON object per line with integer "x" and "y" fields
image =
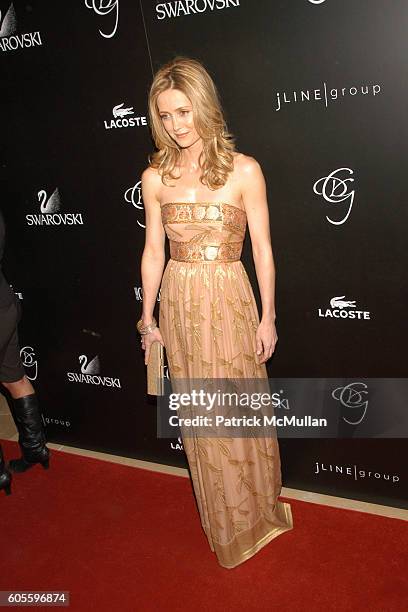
{"x": 155, "y": 369}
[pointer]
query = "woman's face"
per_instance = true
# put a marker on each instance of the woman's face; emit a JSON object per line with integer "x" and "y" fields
{"x": 176, "y": 113}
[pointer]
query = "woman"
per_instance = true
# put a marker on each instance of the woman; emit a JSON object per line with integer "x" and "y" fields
{"x": 201, "y": 193}
{"x": 24, "y": 408}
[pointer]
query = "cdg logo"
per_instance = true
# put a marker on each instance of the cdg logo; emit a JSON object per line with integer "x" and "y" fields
{"x": 133, "y": 195}
{"x": 27, "y": 356}
{"x": 103, "y": 7}
{"x": 335, "y": 190}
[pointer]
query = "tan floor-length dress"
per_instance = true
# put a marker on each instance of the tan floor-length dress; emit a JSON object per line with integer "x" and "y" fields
{"x": 208, "y": 318}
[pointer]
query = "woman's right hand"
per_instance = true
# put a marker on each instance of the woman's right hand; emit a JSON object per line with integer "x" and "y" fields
{"x": 148, "y": 339}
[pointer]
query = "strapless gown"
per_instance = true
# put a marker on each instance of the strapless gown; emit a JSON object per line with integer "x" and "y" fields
{"x": 208, "y": 318}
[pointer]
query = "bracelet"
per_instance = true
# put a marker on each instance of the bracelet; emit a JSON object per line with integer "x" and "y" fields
{"x": 146, "y": 329}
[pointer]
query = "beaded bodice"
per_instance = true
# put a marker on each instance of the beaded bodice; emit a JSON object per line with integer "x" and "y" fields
{"x": 204, "y": 231}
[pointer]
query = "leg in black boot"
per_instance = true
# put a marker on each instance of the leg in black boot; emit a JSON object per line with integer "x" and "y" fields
{"x": 5, "y": 476}
{"x": 31, "y": 436}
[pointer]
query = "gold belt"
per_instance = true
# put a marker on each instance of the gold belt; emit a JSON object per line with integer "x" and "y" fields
{"x": 185, "y": 251}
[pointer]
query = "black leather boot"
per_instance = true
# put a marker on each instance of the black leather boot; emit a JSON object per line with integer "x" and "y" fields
{"x": 5, "y": 476}
{"x": 31, "y": 437}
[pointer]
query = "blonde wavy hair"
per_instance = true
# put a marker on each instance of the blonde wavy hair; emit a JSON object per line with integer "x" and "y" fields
{"x": 216, "y": 159}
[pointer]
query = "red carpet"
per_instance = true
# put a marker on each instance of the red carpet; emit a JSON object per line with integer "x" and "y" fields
{"x": 125, "y": 539}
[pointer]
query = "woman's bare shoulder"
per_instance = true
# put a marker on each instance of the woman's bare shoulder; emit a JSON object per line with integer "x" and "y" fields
{"x": 245, "y": 165}
{"x": 150, "y": 175}
{"x": 151, "y": 184}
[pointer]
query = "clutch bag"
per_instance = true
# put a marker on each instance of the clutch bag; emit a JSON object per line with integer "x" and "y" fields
{"x": 155, "y": 369}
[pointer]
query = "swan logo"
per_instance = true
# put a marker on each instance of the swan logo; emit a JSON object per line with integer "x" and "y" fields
{"x": 89, "y": 367}
{"x": 177, "y": 445}
{"x": 104, "y": 7}
{"x": 90, "y": 373}
{"x": 121, "y": 119}
{"x": 335, "y": 190}
{"x": 9, "y": 40}
{"x": 49, "y": 211}
{"x": 133, "y": 196}
{"x": 352, "y": 397}
{"x": 323, "y": 94}
{"x": 338, "y": 310}
{"x": 354, "y": 471}
{"x": 187, "y": 7}
{"x": 27, "y": 355}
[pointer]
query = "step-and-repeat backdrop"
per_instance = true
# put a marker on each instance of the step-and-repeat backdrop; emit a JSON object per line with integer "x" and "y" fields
{"x": 316, "y": 91}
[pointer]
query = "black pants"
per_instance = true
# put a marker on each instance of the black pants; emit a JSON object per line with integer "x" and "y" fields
{"x": 11, "y": 367}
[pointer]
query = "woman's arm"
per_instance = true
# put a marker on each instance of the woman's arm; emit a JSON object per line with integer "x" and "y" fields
{"x": 153, "y": 257}
{"x": 256, "y": 206}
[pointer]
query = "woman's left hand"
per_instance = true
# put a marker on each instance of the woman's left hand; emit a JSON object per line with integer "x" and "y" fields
{"x": 266, "y": 339}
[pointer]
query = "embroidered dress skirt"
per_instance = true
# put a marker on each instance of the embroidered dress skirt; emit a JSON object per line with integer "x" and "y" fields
{"x": 208, "y": 318}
